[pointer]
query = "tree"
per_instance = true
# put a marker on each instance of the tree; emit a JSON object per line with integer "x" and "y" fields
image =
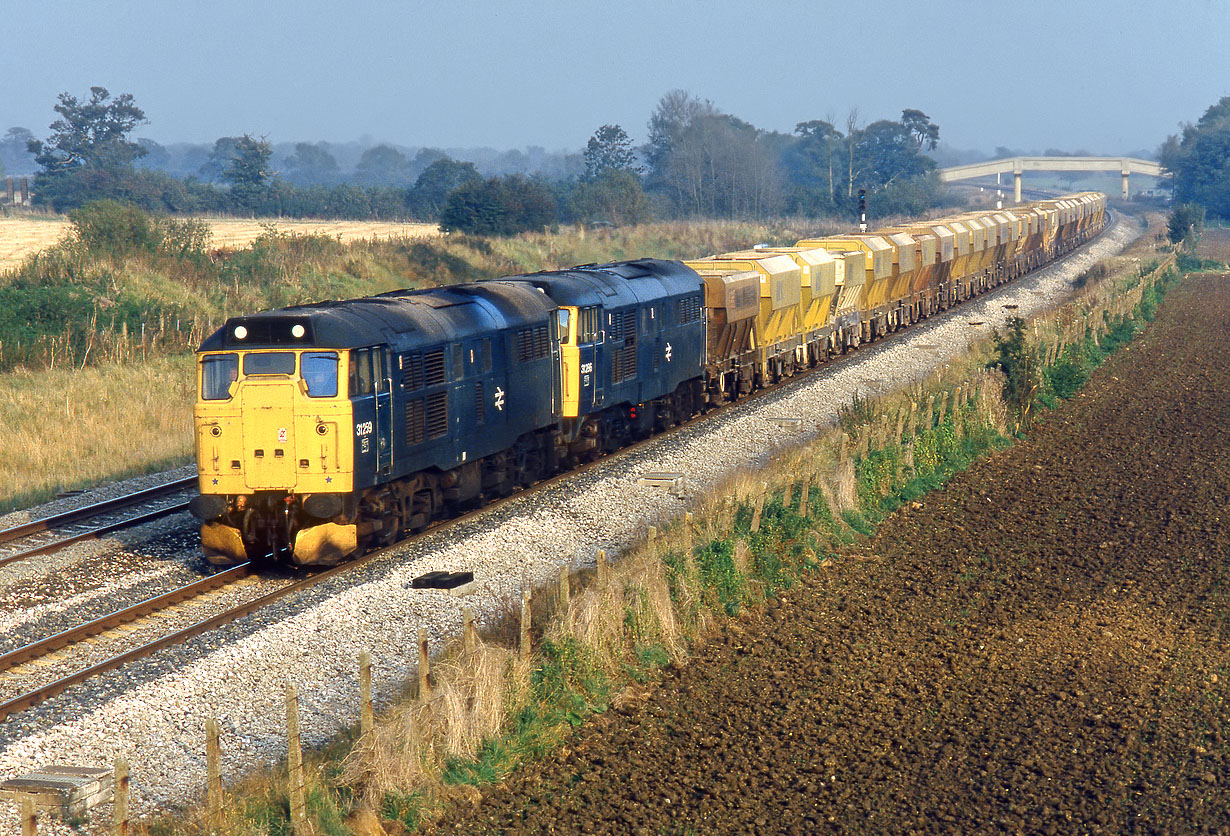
{"x": 249, "y": 173}
{"x": 919, "y": 125}
{"x": 14, "y": 151}
{"x": 1185, "y": 223}
{"x": 88, "y": 155}
{"x": 609, "y": 149}
{"x": 816, "y": 149}
{"x": 1199, "y": 160}
{"x": 90, "y": 134}
{"x": 886, "y": 151}
{"x": 614, "y": 196}
{"x": 720, "y": 167}
{"x": 423, "y": 158}
{"x": 156, "y": 156}
{"x": 499, "y": 206}
{"x": 312, "y": 164}
{"x": 383, "y": 165}
{"x": 1022, "y": 376}
{"x": 675, "y": 112}
{"x": 224, "y": 150}
{"x": 432, "y": 188}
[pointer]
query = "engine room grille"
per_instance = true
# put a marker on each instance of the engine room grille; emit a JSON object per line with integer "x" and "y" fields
{"x": 532, "y": 343}
{"x": 415, "y": 429}
{"x": 689, "y": 309}
{"x": 437, "y": 414}
{"x": 629, "y": 360}
{"x": 480, "y": 404}
{"x": 433, "y": 367}
{"x": 412, "y": 371}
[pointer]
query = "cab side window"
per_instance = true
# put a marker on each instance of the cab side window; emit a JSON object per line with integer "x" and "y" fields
{"x": 361, "y": 372}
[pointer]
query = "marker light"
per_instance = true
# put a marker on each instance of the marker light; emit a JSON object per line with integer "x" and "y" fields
{"x": 297, "y": 331}
{"x": 240, "y": 332}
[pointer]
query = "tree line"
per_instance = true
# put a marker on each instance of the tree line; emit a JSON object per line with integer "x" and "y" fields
{"x": 698, "y": 161}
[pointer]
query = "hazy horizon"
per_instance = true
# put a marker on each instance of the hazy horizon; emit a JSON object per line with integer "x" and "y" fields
{"x": 474, "y": 75}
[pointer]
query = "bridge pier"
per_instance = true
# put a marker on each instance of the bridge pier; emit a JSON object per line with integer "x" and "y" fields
{"x": 1016, "y": 186}
{"x": 1126, "y": 191}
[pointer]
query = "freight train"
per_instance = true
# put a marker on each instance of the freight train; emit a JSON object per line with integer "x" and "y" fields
{"x": 325, "y": 430}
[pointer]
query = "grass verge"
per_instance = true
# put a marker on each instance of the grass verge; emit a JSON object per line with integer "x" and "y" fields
{"x": 68, "y": 428}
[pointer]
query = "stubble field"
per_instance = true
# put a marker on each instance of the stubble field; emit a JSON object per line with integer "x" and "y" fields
{"x": 21, "y": 236}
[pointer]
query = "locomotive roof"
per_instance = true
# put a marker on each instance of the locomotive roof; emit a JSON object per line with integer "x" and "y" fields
{"x": 406, "y": 317}
{"x": 615, "y": 285}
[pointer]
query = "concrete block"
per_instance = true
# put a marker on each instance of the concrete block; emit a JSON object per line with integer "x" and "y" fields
{"x": 70, "y": 791}
{"x": 675, "y": 483}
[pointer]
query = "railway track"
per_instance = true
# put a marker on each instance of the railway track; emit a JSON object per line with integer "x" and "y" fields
{"x": 38, "y": 650}
{"x": 53, "y": 533}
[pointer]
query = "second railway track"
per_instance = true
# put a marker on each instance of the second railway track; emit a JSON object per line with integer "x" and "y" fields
{"x": 50, "y": 534}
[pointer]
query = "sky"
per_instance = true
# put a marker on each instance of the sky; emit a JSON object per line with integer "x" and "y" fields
{"x": 1069, "y": 74}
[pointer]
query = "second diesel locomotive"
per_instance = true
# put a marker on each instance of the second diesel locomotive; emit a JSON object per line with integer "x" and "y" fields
{"x": 322, "y": 430}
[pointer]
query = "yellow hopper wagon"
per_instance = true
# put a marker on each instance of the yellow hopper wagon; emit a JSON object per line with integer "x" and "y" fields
{"x": 879, "y": 275}
{"x": 778, "y": 336}
{"x": 818, "y": 295}
{"x": 732, "y": 303}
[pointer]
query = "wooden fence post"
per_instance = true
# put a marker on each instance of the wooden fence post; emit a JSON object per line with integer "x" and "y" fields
{"x": 803, "y": 511}
{"x": 652, "y": 534}
{"x": 29, "y": 818}
{"x": 604, "y": 569}
{"x": 119, "y": 819}
{"x": 788, "y": 494}
{"x": 525, "y": 624}
{"x": 930, "y": 411}
{"x": 565, "y": 589}
{"x": 213, "y": 774}
{"x": 367, "y": 714}
{"x": 294, "y": 761}
{"x": 424, "y": 666}
{"x": 469, "y": 632}
{"x": 757, "y": 511}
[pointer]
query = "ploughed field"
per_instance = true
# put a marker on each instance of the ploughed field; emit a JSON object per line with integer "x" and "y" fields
{"x": 1041, "y": 647}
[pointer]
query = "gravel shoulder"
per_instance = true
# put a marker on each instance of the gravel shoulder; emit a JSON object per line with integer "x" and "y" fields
{"x": 153, "y": 711}
{"x": 1041, "y": 647}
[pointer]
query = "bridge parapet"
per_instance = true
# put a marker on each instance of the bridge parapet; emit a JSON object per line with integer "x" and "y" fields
{"x": 1126, "y": 166}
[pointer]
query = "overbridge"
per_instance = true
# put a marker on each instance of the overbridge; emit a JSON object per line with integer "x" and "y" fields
{"x": 1124, "y": 165}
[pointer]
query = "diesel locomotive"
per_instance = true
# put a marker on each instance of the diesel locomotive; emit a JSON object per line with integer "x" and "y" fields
{"x": 324, "y": 430}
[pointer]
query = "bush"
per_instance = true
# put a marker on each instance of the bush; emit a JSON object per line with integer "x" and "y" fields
{"x": 1020, "y": 368}
{"x": 499, "y": 206}
{"x": 110, "y": 229}
{"x": 1185, "y": 224}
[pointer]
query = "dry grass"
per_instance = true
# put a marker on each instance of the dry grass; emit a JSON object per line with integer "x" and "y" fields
{"x": 24, "y": 235}
{"x": 68, "y": 428}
